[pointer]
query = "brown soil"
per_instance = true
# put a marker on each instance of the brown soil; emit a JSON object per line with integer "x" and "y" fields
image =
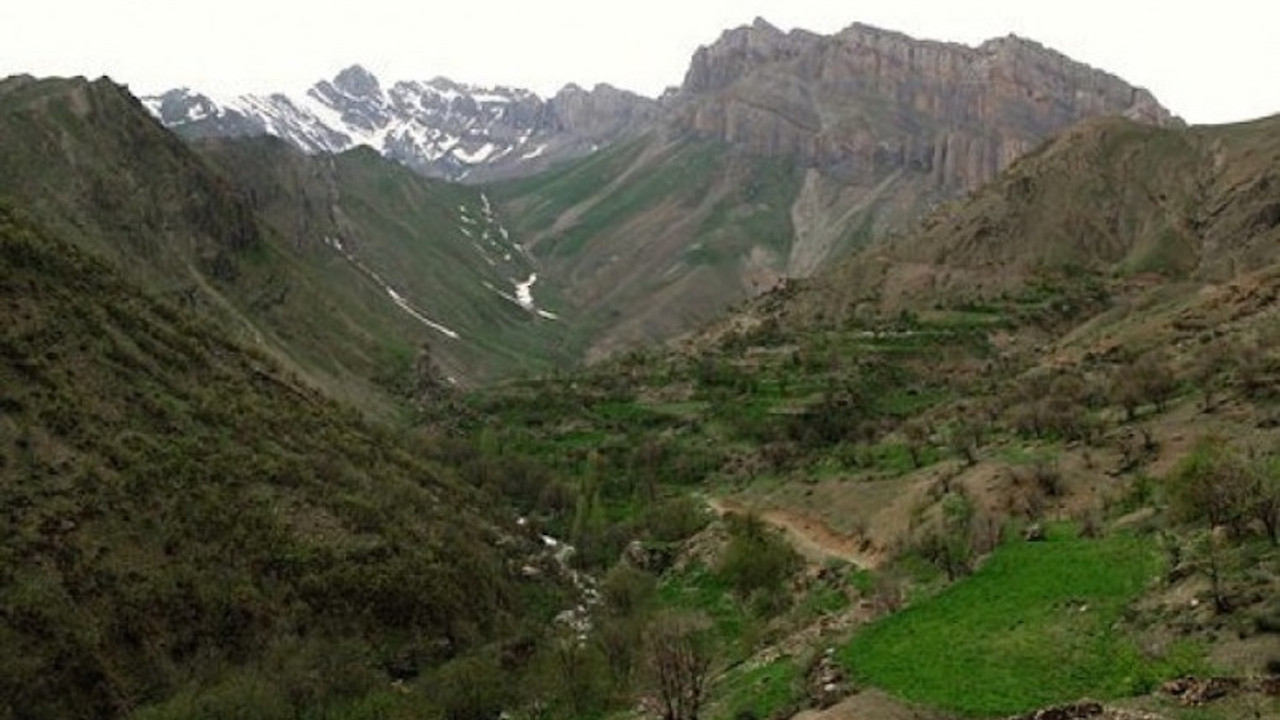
{"x": 810, "y": 536}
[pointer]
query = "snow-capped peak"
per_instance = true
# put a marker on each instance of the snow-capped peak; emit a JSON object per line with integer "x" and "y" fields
{"x": 438, "y": 127}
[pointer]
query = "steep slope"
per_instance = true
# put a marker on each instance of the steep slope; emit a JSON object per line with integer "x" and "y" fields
{"x": 782, "y": 153}
{"x": 652, "y": 237}
{"x": 1113, "y": 199}
{"x": 184, "y": 518}
{"x": 343, "y": 268}
{"x": 439, "y": 128}
{"x": 381, "y": 237}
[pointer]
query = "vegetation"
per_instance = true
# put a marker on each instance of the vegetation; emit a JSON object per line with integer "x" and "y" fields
{"x": 193, "y": 525}
{"x": 1033, "y": 627}
{"x": 188, "y": 523}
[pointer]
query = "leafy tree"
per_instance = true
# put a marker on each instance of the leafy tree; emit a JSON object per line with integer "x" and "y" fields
{"x": 757, "y": 562}
{"x": 1213, "y": 485}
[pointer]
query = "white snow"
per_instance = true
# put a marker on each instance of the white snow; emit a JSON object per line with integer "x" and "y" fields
{"x": 199, "y": 112}
{"x": 536, "y": 152}
{"x": 524, "y": 296}
{"x": 479, "y": 156}
{"x": 404, "y": 305}
{"x": 490, "y": 98}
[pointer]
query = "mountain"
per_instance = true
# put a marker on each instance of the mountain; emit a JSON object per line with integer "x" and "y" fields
{"x": 865, "y": 102}
{"x": 1112, "y": 199}
{"x": 783, "y": 152}
{"x": 1085, "y": 347}
{"x": 188, "y": 525}
{"x": 439, "y": 128}
{"x": 344, "y": 267}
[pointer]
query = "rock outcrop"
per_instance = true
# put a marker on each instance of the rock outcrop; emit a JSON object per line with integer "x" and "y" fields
{"x": 865, "y": 102}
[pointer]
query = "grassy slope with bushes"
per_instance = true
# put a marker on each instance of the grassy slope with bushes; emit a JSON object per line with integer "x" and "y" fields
{"x": 182, "y": 516}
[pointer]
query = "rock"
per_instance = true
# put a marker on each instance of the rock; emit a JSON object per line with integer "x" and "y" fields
{"x": 1074, "y": 711}
{"x": 651, "y": 558}
{"x": 826, "y": 681}
{"x": 1198, "y": 691}
{"x": 866, "y": 101}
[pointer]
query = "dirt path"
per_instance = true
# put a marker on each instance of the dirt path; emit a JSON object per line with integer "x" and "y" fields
{"x": 810, "y": 537}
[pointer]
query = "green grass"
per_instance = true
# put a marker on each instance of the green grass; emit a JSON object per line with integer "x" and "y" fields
{"x": 764, "y": 690}
{"x": 699, "y": 589}
{"x": 1033, "y": 627}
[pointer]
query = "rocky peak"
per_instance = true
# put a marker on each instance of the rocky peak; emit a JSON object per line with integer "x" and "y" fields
{"x": 438, "y": 127}
{"x": 357, "y": 82}
{"x": 739, "y": 51}
{"x": 866, "y": 101}
{"x": 602, "y": 111}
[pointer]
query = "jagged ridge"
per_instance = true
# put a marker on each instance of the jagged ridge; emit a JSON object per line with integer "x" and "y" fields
{"x": 439, "y": 128}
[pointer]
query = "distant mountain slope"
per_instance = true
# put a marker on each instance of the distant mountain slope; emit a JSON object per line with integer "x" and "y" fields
{"x": 439, "y": 128}
{"x": 342, "y": 267}
{"x": 184, "y": 518}
{"x": 1110, "y": 198}
{"x": 782, "y": 153}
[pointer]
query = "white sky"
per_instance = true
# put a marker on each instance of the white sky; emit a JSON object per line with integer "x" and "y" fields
{"x": 1207, "y": 61}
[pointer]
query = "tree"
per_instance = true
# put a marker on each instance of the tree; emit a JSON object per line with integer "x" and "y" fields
{"x": 678, "y": 651}
{"x": 757, "y": 563}
{"x": 1265, "y": 494}
{"x": 916, "y": 433}
{"x": 1212, "y": 485}
{"x": 1149, "y": 379}
{"x": 966, "y": 436}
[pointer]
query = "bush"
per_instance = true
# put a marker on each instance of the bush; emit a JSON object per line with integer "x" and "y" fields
{"x": 757, "y": 563}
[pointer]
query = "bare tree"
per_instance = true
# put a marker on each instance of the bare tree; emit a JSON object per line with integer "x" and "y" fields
{"x": 916, "y": 434}
{"x": 679, "y": 654}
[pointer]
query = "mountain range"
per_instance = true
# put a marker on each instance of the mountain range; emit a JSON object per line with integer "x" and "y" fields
{"x": 778, "y": 154}
{"x": 439, "y": 128}
{"x": 290, "y": 430}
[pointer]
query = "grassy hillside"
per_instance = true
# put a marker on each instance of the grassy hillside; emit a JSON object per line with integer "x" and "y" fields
{"x": 355, "y": 222}
{"x": 655, "y": 236}
{"x": 1035, "y": 626}
{"x": 297, "y": 255}
{"x": 1108, "y": 199}
{"x": 184, "y": 517}
{"x": 1018, "y": 363}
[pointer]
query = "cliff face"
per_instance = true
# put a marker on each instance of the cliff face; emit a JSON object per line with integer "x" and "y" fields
{"x": 865, "y": 102}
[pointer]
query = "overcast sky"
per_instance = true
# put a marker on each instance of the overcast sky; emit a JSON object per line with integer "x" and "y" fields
{"x": 1207, "y": 61}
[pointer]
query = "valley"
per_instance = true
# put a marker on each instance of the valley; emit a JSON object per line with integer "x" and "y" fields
{"x": 859, "y": 377}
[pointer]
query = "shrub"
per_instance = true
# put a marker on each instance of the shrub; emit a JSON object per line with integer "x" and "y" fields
{"x": 757, "y": 561}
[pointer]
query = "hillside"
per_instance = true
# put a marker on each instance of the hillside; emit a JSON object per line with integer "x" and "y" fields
{"x": 1125, "y": 203}
{"x": 1083, "y": 352}
{"x": 343, "y": 268}
{"x": 186, "y": 522}
{"x": 782, "y": 153}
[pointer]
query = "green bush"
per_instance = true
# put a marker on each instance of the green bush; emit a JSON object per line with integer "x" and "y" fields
{"x": 758, "y": 564}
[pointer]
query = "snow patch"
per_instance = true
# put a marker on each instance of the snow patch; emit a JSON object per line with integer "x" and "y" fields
{"x": 479, "y": 156}
{"x": 404, "y": 305}
{"x": 536, "y": 152}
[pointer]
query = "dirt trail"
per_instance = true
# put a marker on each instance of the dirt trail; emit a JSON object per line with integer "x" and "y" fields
{"x": 810, "y": 537}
